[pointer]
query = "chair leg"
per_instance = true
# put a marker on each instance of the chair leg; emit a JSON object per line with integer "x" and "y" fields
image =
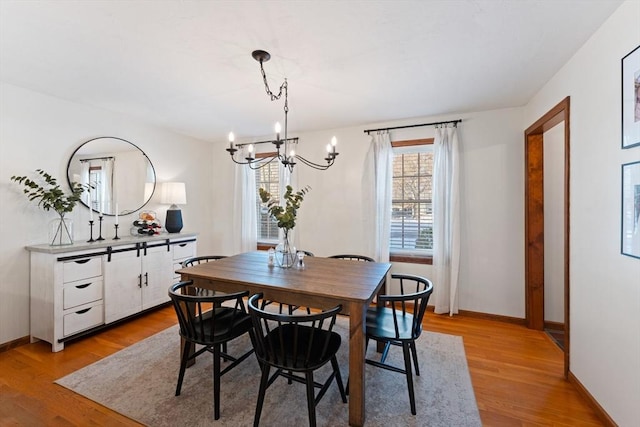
{"x": 407, "y": 367}
{"x": 216, "y": 381}
{"x": 311, "y": 399}
{"x": 336, "y": 370}
{"x": 385, "y": 352}
{"x": 261, "y": 392}
{"x": 183, "y": 366}
{"x": 412, "y": 346}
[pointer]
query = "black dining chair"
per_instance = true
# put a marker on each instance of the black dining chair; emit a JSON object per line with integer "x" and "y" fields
{"x": 205, "y": 321}
{"x": 393, "y": 324}
{"x": 353, "y": 257}
{"x": 201, "y": 260}
{"x": 296, "y": 346}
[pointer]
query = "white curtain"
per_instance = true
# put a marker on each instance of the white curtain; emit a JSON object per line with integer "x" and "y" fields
{"x": 84, "y": 180}
{"x": 245, "y": 216}
{"x": 446, "y": 220}
{"x": 108, "y": 198}
{"x": 378, "y": 180}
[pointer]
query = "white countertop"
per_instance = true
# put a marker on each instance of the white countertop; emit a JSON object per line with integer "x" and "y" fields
{"x": 124, "y": 240}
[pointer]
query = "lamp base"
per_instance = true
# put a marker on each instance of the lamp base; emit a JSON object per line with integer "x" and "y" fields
{"x": 173, "y": 223}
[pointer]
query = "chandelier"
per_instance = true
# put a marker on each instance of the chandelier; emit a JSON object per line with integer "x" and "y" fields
{"x": 285, "y": 147}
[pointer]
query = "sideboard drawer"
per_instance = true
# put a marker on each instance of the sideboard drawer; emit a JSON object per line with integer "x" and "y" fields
{"x": 83, "y": 319}
{"x": 82, "y": 292}
{"x": 184, "y": 250}
{"x": 81, "y": 269}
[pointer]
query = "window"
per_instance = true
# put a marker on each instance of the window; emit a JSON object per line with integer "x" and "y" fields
{"x": 267, "y": 177}
{"x": 411, "y": 206}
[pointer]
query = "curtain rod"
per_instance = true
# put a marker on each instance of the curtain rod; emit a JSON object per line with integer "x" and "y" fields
{"x": 97, "y": 158}
{"x": 455, "y": 122}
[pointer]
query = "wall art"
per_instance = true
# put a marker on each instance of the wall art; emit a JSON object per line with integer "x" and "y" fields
{"x": 631, "y": 209}
{"x": 631, "y": 99}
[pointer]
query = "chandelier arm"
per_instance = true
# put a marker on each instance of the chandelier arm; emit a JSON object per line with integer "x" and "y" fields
{"x": 262, "y": 162}
{"x": 293, "y": 140}
{"x": 316, "y": 165}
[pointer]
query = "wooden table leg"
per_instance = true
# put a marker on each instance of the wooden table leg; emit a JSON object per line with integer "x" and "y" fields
{"x": 382, "y": 291}
{"x": 356, "y": 364}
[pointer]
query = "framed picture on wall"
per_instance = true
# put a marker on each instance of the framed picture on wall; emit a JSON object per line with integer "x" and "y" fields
{"x": 631, "y": 209}
{"x": 631, "y": 99}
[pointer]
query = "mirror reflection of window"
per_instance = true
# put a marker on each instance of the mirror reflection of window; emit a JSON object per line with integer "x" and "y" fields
{"x": 98, "y": 174}
{"x": 95, "y": 181}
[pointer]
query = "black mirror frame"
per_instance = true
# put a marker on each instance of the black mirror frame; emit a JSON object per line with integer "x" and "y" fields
{"x": 155, "y": 178}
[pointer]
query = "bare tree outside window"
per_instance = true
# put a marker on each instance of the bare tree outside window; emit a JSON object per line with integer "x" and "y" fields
{"x": 411, "y": 206}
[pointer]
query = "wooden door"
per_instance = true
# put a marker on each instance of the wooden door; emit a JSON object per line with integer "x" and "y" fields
{"x": 534, "y": 220}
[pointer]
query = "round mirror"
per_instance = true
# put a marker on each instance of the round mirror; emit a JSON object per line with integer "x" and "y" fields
{"x": 120, "y": 175}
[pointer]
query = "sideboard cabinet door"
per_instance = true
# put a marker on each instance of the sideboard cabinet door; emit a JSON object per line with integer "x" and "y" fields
{"x": 136, "y": 281}
{"x": 122, "y": 285}
{"x": 157, "y": 268}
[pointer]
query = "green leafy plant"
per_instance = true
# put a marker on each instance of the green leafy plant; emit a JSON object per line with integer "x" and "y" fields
{"x": 48, "y": 193}
{"x": 285, "y": 216}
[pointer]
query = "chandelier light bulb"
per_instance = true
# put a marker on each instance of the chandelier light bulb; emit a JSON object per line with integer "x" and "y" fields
{"x": 231, "y": 139}
{"x": 278, "y": 131}
{"x": 334, "y": 141}
{"x": 292, "y": 154}
{"x": 250, "y": 148}
{"x": 328, "y": 148}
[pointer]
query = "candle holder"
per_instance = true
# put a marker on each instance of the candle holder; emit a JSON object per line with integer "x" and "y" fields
{"x": 116, "y": 227}
{"x": 100, "y": 228}
{"x": 91, "y": 239}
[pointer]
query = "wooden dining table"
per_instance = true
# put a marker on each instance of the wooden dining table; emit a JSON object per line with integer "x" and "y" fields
{"x": 321, "y": 283}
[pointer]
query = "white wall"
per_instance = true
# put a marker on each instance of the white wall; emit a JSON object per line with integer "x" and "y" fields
{"x": 38, "y": 131}
{"x": 605, "y": 285}
{"x": 333, "y": 219}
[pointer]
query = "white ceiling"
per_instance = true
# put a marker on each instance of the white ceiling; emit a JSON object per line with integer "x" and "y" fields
{"x": 187, "y": 65}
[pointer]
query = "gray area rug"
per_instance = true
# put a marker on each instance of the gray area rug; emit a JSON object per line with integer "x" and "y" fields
{"x": 139, "y": 382}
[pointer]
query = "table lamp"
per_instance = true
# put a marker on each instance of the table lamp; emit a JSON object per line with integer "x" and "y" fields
{"x": 173, "y": 193}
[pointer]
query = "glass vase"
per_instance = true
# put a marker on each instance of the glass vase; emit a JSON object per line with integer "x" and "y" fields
{"x": 61, "y": 231}
{"x": 285, "y": 252}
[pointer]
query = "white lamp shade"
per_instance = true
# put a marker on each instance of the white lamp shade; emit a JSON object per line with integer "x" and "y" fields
{"x": 173, "y": 193}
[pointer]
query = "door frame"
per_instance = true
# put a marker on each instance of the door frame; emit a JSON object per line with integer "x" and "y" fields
{"x": 534, "y": 220}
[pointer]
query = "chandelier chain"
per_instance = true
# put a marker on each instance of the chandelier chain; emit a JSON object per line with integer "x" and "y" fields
{"x": 283, "y": 88}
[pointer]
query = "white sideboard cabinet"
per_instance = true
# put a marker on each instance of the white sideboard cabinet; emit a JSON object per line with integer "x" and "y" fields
{"x": 79, "y": 288}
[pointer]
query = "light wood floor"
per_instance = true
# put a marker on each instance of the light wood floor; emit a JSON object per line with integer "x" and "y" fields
{"x": 516, "y": 375}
